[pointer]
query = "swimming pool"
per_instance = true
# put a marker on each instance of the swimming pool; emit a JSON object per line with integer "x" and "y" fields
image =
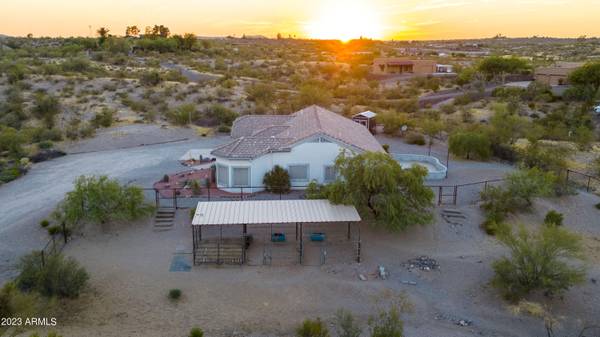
{"x": 436, "y": 170}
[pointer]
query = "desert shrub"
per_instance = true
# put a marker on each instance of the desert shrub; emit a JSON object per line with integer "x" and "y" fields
{"x": 46, "y": 107}
{"x": 553, "y": 218}
{"x": 44, "y": 223}
{"x": 16, "y": 303}
{"x": 196, "y": 332}
{"x": 223, "y": 115}
{"x": 415, "y": 139}
{"x": 45, "y": 145}
{"x": 174, "y": 294}
{"x": 53, "y": 230}
{"x": 597, "y": 205}
{"x": 104, "y": 118}
{"x": 312, "y": 328}
{"x": 99, "y": 200}
{"x": 448, "y": 109}
{"x": 538, "y": 261}
{"x": 392, "y": 121}
{"x": 196, "y": 188}
{"x": 387, "y": 324}
{"x": 76, "y": 65}
{"x": 150, "y": 78}
{"x": 386, "y": 147}
{"x": 469, "y": 144}
{"x": 58, "y": 276}
{"x": 224, "y": 128}
{"x": 517, "y": 194}
{"x": 490, "y": 226}
{"x": 346, "y": 325}
{"x": 277, "y": 180}
{"x": 545, "y": 157}
{"x": 183, "y": 114}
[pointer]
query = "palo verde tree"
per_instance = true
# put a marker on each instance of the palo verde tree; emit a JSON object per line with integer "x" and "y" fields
{"x": 380, "y": 188}
{"x": 539, "y": 261}
{"x": 99, "y": 200}
{"x": 470, "y": 144}
{"x": 497, "y": 66}
{"x": 586, "y": 81}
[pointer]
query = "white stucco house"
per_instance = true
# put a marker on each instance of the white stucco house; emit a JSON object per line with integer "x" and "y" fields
{"x": 305, "y": 143}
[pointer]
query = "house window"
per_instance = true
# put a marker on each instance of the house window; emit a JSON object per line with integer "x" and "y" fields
{"x": 241, "y": 176}
{"x": 223, "y": 175}
{"x": 330, "y": 174}
{"x": 298, "y": 172}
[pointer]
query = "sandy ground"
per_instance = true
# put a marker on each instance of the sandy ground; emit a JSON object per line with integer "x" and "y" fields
{"x": 129, "y": 265}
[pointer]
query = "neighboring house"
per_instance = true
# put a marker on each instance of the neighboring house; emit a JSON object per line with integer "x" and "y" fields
{"x": 366, "y": 118}
{"x": 398, "y": 66}
{"x": 305, "y": 143}
{"x": 557, "y": 74}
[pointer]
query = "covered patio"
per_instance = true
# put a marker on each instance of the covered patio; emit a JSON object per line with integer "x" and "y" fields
{"x": 272, "y": 232}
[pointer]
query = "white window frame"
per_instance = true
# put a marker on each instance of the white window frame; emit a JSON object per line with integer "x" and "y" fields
{"x": 219, "y": 183}
{"x": 299, "y": 180}
{"x": 325, "y": 180}
{"x": 233, "y": 184}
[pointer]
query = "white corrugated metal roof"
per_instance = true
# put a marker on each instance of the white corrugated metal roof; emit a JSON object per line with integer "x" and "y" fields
{"x": 272, "y": 212}
{"x": 367, "y": 114}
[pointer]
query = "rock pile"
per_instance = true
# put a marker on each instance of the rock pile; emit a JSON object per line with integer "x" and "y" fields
{"x": 423, "y": 262}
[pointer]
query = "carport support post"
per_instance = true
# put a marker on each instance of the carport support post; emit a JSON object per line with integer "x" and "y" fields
{"x": 348, "y": 230}
{"x": 156, "y": 201}
{"x": 219, "y": 244}
{"x": 244, "y": 235}
{"x": 301, "y": 245}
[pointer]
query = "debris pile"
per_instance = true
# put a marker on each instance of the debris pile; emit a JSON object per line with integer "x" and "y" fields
{"x": 455, "y": 320}
{"x": 424, "y": 263}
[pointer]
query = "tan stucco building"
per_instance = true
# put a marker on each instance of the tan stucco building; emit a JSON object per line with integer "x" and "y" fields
{"x": 395, "y": 65}
{"x": 557, "y": 74}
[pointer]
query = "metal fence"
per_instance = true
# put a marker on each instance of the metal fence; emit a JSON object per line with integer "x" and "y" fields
{"x": 460, "y": 194}
{"x": 55, "y": 244}
{"x": 583, "y": 180}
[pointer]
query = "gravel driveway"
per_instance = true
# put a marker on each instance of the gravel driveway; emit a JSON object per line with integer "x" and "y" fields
{"x": 26, "y": 201}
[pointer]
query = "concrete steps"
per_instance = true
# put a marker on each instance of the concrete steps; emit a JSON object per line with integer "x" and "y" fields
{"x": 164, "y": 219}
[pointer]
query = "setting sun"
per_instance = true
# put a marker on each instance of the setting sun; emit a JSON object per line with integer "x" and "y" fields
{"x": 345, "y": 20}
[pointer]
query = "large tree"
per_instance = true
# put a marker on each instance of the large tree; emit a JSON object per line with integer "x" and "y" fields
{"x": 469, "y": 144}
{"x": 99, "y": 200}
{"x": 538, "y": 261}
{"x": 381, "y": 189}
{"x": 587, "y": 80}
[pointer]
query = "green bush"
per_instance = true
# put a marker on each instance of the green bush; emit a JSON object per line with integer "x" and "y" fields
{"x": 277, "y": 180}
{"x": 104, "y": 118}
{"x": 58, "y": 276}
{"x": 346, "y": 325}
{"x": 538, "y": 261}
{"x": 553, "y": 218}
{"x": 312, "y": 328}
{"x": 470, "y": 144}
{"x": 53, "y": 230}
{"x": 150, "y": 78}
{"x": 44, "y": 223}
{"x": 196, "y": 332}
{"x": 98, "y": 200}
{"x": 598, "y": 205}
{"x": 386, "y": 147}
{"x": 387, "y": 324}
{"x": 224, "y": 128}
{"x": 183, "y": 114}
{"x": 174, "y": 294}
{"x": 415, "y": 139}
{"x": 490, "y": 226}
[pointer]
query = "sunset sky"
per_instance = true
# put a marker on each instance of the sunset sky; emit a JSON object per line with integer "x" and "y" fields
{"x": 384, "y": 19}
